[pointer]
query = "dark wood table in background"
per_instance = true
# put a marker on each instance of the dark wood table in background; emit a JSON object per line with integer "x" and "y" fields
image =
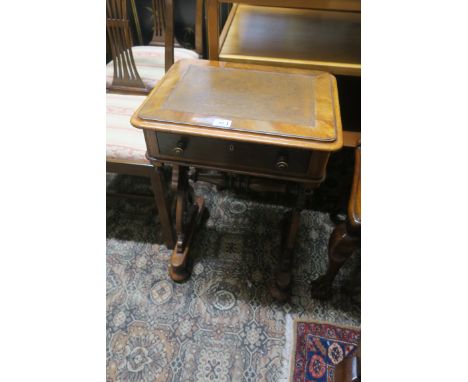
{"x": 309, "y": 34}
{"x": 260, "y": 128}
{"x": 305, "y": 34}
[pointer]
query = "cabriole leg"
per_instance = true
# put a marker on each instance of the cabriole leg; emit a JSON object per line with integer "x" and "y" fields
{"x": 341, "y": 246}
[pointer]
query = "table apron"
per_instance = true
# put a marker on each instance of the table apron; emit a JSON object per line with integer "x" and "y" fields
{"x": 305, "y": 166}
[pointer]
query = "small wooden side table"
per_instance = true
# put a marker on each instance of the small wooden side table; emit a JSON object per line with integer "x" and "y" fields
{"x": 261, "y": 128}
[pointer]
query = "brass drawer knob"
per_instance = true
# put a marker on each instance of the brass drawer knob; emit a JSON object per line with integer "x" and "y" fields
{"x": 179, "y": 149}
{"x": 282, "y": 162}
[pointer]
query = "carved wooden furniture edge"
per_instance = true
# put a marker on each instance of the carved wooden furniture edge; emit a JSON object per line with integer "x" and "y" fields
{"x": 354, "y": 205}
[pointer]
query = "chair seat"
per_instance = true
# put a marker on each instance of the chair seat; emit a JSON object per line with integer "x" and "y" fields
{"x": 123, "y": 141}
{"x": 149, "y": 61}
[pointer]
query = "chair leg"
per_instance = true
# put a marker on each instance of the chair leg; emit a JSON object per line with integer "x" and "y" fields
{"x": 160, "y": 196}
{"x": 341, "y": 246}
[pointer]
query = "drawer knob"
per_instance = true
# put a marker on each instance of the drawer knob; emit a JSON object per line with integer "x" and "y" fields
{"x": 282, "y": 162}
{"x": 179, "y": 149}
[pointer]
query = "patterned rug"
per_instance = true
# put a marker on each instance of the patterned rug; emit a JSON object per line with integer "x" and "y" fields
{"x": 222, "y": 324}
{"x": 318, "y": 348}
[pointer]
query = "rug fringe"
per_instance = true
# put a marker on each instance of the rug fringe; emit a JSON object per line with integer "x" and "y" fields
{"x": 286, "y": 356}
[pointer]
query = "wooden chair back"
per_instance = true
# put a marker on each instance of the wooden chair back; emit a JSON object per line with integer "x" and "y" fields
{"x": 126, "y": 78}
{"x": 159, "y": 23}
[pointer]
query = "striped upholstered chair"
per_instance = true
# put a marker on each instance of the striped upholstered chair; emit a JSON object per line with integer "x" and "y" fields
{"x": 131, "y": 75}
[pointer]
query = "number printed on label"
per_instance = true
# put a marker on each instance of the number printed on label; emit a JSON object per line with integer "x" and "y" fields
{"x": 222, "y": 122}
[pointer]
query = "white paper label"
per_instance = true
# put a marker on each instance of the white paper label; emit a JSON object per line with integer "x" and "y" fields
{"x": 222, "y": 122}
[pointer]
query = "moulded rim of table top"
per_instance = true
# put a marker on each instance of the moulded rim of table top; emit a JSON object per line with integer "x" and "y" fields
{"x": 175, "y": 126}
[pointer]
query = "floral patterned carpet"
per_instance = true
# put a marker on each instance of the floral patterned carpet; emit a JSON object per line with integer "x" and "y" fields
{"x": 222, "y": 324}
{"x": 319, "y": 348}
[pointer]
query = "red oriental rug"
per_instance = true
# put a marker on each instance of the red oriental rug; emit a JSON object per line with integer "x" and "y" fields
{"x": 318, "y": 348}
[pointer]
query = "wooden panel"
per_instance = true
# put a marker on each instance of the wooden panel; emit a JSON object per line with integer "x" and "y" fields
{"x": 226, "y": 96}
{"x": 322, "y": 40}
{"x": 255, "y": 157}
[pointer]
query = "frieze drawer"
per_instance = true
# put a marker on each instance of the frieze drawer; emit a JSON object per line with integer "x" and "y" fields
{"x": 242, "y": 155}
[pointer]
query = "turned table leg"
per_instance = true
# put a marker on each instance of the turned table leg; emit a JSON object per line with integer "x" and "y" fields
{"x": 188, "y": 214}
{"x": 341, "y": 246}
{"x": 283, "y": 278}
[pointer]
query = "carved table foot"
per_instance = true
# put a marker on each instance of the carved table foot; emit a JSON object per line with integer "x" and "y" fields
{"x": 178, "y": 267}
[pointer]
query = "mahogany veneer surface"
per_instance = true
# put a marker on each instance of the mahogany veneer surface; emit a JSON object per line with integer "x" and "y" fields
{"x": 242, "y": 102}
